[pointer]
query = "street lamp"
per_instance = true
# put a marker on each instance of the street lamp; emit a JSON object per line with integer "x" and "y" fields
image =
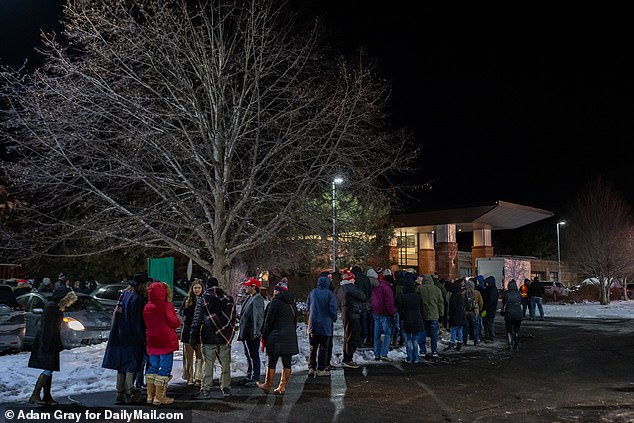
{"x": 337, "y": 180}
{"x": 559, "y": 252}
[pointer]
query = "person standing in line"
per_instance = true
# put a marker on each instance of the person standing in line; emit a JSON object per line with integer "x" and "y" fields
{"x": 161, "y": 323}
{"x": 363, "y": 282}
{"x": 525, "y": 298}
{"x": 213, "y": 327}
{"x": 48, "y": 344}
{"x": 251, "y": 320}
{"x": 473, "y": 305}
{"x": 192, "y": 370}
{"x": 456, "y": 314}
{"x": 125, "y": 349}
{"x": 350, "y": 299}
{"x": 279, "y": 334}
{"x": 322, "y": 313}
{"x": 491, "y": 297}
{"x": 383, "y": 312}
{"x": 512, "y": 312}
{"x": 373, "y": 277}
{"x": 433, "y": 307}
{"x": 536, "y": 293}
{"x": 410, "y": 305}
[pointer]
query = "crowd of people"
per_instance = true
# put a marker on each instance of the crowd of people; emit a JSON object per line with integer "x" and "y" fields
{"x": 379, "y": 309}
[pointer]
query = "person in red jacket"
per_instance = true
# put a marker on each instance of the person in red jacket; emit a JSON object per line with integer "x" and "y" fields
{"x": 161, "y": 322}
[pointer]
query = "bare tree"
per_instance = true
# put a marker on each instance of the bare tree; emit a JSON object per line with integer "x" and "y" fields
{"x": 599, "y": 235}
{"x": 204, "y": 128}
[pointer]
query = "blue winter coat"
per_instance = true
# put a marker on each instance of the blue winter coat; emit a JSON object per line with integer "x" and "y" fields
{"x": 322, "y": 309}
{"x": 126, "y": 344}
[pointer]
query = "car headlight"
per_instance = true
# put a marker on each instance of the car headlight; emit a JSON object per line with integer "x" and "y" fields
{"x": 73, "y": 323}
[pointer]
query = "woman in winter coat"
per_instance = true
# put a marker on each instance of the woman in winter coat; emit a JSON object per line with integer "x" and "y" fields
{"x": 322, "y": 313}
{"x": 512, "y": 312}
{"x": 161, "y": 322}
{"x": 192, "y": 371}
{"x": 279, "y": 334}
{"x": 48, "y": 344}
{"x": 126, "y": 344}
{"x": 456, "y": 313}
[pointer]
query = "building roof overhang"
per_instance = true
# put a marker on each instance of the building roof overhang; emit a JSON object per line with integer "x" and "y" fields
{"x": 496, "y": 216}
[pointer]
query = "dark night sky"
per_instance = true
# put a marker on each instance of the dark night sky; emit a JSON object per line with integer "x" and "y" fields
{"x": 503, "y": 109}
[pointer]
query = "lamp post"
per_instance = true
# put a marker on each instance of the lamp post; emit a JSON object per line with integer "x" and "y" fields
{"x": 559, "y": 252}
{"x": 337, "y": 180}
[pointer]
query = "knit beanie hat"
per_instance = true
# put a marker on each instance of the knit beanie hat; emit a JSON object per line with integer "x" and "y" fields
{"x": 347, "y": 277}
{"x": 281, "y": 286}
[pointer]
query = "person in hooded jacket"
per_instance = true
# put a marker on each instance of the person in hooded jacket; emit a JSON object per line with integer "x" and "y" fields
{"x": 433, "y": 308}
{"x": 373, "y": 277}
{"x": 279, "y": 335}
{"x": 322, "y": 313}
{"x": 490, "y": 306}
{"x": 251, "y": 319}
{"x": 472, "y": 296}
{"x": 456, "y": 314}
{"x": 363, "y": 282}
{"x": 48, "y": 344}
{"x": 410, "y": 305}
{"x": 125, "y": 349}
{"x": 512, "y": 312}
{"x": 161, "y": 323}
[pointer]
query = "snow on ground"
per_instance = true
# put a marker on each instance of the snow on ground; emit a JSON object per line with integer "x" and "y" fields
{"x": 81, "y": 370}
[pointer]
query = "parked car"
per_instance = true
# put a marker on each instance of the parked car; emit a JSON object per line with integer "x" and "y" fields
{"x": 85, "y": 322}
{"x": 556, "y": 290}
{"x": 12, "y": 322}
{"x": 108, "y": 295}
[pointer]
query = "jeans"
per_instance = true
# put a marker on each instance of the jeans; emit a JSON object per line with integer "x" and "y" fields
{"x": 382, "y": 326}
{"x": 536, "y": 301}
{"x": 472, "y": 328}
{"x": 412, "y": 339}
{"x": 252, "y": 353}
{"x": 161, "y": 364}
{"x": 211, "y": 352}
{"x": 489, "y": 327}
{"x": 456, "y": 334}
{"x": 431, "y": 330}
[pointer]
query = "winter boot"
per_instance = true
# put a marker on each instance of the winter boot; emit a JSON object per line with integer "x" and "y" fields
{"x": 458, "y": 346}
{"x": 449, "y": 347}
{"x": 268, "y": 381}
{"x": 509, "y": 338}
{"x": 516, "y": 340}
{"x": 286, "y": 375}
{"x": 35, "y": 396}
{"x": 149, "y": 382}
{"x": 120, "y": 388}
{"x": 47, "y": 392}
{"x": 160, "y": 390}
{"x": 198, "y": 372}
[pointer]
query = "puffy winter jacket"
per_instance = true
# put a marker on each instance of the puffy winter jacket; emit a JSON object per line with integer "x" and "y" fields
{"x": 161, "y": 321}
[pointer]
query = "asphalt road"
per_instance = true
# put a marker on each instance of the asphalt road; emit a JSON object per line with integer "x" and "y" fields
{"x": 566, "y": 370}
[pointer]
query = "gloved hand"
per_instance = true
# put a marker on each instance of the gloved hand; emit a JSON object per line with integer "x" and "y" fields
{"x": 484, "y": 313}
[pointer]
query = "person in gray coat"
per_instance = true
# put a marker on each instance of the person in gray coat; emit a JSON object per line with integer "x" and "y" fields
{"x": 512, "y": 312}
{"x": 251, "y": 320}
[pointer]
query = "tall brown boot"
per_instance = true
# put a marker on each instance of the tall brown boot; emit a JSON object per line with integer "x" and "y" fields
{"x": 160, "y": 390}
{"x": 286, "y": 376}
{"x": 149, "y": 383}
{"x": 47, "y": 392}
{"x": 35, "y": 396}
{"x": 268, "y": 381}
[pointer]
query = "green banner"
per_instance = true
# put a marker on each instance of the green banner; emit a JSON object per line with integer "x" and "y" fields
{"x": 161, "y": 269}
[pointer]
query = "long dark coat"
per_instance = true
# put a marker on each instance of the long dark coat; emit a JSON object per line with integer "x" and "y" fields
{"x": 126, "y": 343}
{"x": 512, "y": 303}
{"x": 456, "y": 309}
{"x": 188, "y": 313}
{"x": 411, "y": 309}
{"x": 279, "y": 330}
{"x": 48, "y": 340}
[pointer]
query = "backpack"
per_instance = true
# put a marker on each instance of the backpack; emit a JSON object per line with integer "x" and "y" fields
{"x": 470, "y": 302}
